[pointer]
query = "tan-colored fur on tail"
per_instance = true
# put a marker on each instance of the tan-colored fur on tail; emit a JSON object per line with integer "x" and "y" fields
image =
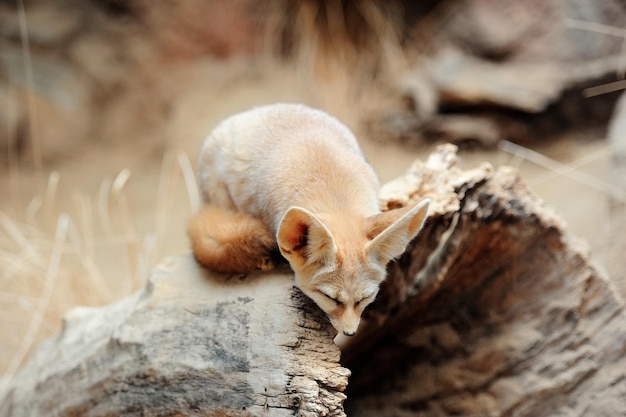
{"x": 290, "y": 177}
{"x": 231, "y": 242}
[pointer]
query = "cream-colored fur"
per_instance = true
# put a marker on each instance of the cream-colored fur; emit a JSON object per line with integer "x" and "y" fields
{"x": 290, "y": 178}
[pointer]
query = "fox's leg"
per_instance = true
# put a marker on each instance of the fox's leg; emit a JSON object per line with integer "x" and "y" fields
{"x": 231, "y": 242}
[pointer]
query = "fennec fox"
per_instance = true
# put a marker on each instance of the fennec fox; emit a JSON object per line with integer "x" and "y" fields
{"x": 292, "y": 178}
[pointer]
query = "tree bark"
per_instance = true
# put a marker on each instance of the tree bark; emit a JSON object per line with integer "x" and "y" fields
{"x": 492, "y": 311}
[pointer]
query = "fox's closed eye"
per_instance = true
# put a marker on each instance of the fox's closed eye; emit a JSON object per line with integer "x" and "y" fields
{"x": 334, "y": 300}
{"x": 364, "y": 299}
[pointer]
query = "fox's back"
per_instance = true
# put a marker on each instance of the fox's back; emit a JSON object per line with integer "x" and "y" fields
{"x": 268, "y": 159}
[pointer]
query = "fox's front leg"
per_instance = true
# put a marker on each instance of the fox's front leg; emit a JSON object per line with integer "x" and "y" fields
{"x": 231, "y": 242}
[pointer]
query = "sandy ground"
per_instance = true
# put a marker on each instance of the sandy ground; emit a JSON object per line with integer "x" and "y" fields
{"x": 128, "y": 202}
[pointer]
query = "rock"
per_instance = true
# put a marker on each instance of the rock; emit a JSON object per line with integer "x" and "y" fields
{"x": 97, "y": 55}
{"x": 47, "y": 23}
{"x": 463, "y": 79}
{"x": 56, "y": 101}
{"x": 524, "y": 64}
{"x": 461, "y": 129}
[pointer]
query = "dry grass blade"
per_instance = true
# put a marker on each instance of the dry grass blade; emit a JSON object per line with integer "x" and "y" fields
{"x": 43, "y": 301}
{"x": 11, "y": 108}
{"x": 129, "y": 232}
{"x": 33, "y": 207}
{"x": 119, "y": 182}
{"x": 572, "y": 166}
{"x": 190, "y": 181}
{"x": 85, "y": 213}
{"x": 604, "y": 30}
{"x": 103, "y": 206}
{"x": 14, "y": 232}
{"x": 88, "y": 247}
{"x": 604, "y": 88}
{"x": 562, "y": 169}
{"x": 595, "y": 27}
{"x": 33, "y": 118}
{"x": 49, "y": 203}
{"x": 146, "y": 257}
{"x": 167, "y": 187}
{"x": 19, "y": 252}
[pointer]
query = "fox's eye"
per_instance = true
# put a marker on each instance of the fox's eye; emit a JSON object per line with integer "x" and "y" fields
{"x": 334, "y": 300}
{"x": 356, "y": 304}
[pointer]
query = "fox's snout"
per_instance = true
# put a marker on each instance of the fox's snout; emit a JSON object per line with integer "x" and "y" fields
{"x": 347, "y": 322}
{"x": 347, "y": 330}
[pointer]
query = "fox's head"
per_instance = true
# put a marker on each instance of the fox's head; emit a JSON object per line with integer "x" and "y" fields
{"x": 341, "y": 263}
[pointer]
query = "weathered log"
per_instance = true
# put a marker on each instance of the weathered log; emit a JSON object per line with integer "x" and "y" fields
{"x": 493, "y": 310}
{"x": 190, "y": 343}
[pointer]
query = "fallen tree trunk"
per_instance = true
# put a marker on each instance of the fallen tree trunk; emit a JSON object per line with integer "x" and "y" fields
{"x": 190, "y": 343}
{"x": 492, "y": 311}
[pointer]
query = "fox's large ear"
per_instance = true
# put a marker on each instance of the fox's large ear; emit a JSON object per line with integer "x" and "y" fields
{"x": 303, "y": 238}
{"x": 392, "y": 231}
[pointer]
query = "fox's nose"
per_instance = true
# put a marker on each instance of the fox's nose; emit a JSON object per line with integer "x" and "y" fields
{"x": 347, "y": 333}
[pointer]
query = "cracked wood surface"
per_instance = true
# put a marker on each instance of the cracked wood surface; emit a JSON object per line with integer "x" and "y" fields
{"x": 493, "y": 311}
{"x": 190, "y": 343}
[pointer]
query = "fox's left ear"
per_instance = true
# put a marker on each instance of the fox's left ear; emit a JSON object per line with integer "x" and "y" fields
{"x": 304, "y": 239}
{"x": 392, "y": 231}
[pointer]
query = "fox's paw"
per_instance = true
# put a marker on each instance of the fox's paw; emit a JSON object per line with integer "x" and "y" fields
{"x": 266, "y": 264}
{"x": 261, "y": 250}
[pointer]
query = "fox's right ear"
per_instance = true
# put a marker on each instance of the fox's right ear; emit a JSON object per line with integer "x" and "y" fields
{"x": 392, "y": 231}
{"x": 303, "y": 238}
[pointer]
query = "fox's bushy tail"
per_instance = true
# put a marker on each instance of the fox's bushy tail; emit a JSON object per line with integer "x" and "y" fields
{"x": 232, "y": 242}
